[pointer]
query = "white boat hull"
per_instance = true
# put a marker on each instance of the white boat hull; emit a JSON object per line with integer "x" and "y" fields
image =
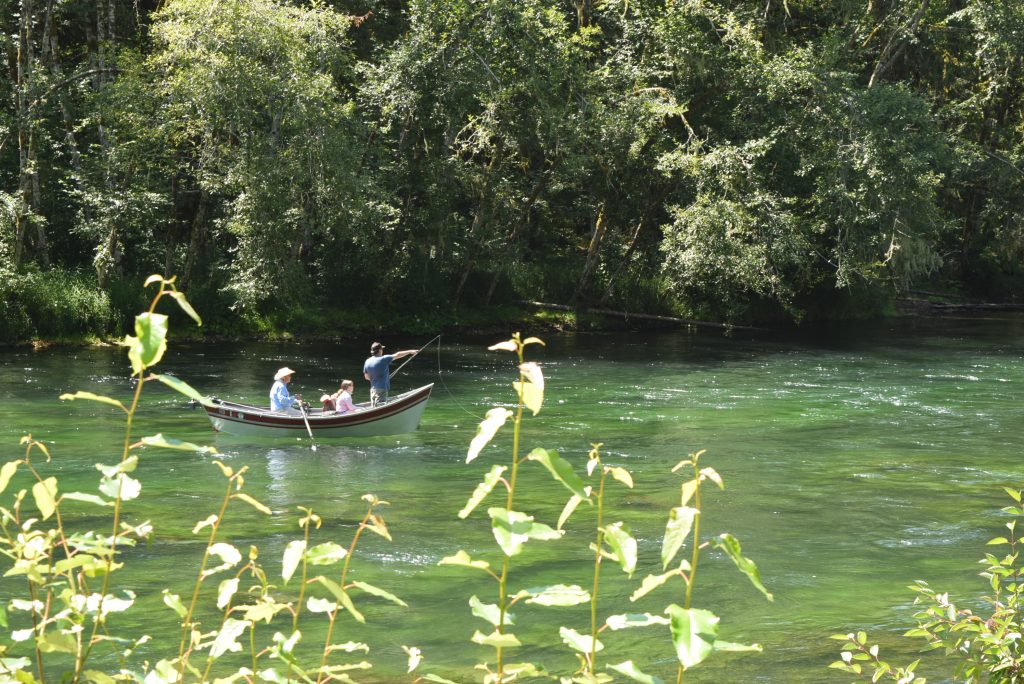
{"x": 400, "y": 415}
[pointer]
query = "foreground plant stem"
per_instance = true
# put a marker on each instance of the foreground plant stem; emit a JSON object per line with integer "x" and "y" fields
{"x": 341, "y": 584}
{"x": 505, "y": 559}
{"x": 186, "y": 623}
{"x": 597, "y": 570}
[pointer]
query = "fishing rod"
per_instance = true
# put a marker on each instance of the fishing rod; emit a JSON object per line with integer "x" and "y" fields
{"x": 395, "y": 372}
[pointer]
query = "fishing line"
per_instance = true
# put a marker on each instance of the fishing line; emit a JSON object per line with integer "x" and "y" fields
{"x": 446, "y": 389}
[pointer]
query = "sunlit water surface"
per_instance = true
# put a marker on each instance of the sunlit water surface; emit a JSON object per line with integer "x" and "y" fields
{"x": 855, "y": 462}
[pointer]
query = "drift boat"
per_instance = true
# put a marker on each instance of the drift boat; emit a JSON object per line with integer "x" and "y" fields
{"x": 400, "y": 414}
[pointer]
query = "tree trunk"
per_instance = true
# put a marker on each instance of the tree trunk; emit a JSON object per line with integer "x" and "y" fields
{"x": 600, "y": 229}
{"x": 610, "y": 290}
{"x": 524, "y": 215}
{"x": 195, "y": 240}
{"x": 478, "y": 220}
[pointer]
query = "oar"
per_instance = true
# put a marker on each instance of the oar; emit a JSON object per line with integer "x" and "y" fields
{"x": 395, "y": 372}
{"x": 302, "y": 408}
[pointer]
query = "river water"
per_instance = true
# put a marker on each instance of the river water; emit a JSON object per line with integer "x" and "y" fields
{"x": 855, "y": 462}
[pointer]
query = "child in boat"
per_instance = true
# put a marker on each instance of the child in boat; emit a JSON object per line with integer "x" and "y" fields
{"x": 340, "y": 401}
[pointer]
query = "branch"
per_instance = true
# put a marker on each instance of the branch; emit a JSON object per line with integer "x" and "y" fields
{"x": 66, "y": 81}
{"x": 887, "y": 59}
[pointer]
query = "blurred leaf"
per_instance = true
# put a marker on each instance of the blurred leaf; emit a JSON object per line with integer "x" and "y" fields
{"x": 292, "y": 557}
{"x": 489, "y": 612}
{"x": 227, "y": 638}
{"x": 482, "y": 490}
{"x": 45, "y": 495}
{"x": 558, "y": 595}
{"x": 629, "y": 620}
{"x": 7, "y": 472}
{"x": 462, "y": 558}
{"x": 159, "y": 440}
{"x": 495, "y": 639}
{"x": 630, "y": 670}
{"x": 508, "y": 345}
{"x": 252, "y": 502}
{"x": 622, "y": 475}
{"x": 173, "y": 601}
{"x": 570, "y": 507}
{"x": 731, "y": 546}
{"x": 87, "y": 498}
{"x": 561, "y": 470}
{"x": 225, "y": 591}
{"x": 694, "y": 632}
{"x": 512, "y": 529}
{"x": 680, "y": 522}
{"x": 182, "y": 387}
{"x": 494, "y": 419}
{"x": 185, "y": 306}
{"x": 376, "y": 591}
{"x": 623, "y": 546}
{"x": 327, "y": 553}
{"x": 652, "y": 582}
{"x": 147, "y": 347}
{"x": 583, "y": 643}
{"x": 93, "y": 397}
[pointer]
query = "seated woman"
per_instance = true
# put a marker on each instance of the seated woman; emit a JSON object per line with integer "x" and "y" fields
{"x": 340, "y": 401}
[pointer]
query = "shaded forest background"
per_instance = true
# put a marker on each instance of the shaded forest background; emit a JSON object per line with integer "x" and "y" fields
{"x": 414, "y": 163}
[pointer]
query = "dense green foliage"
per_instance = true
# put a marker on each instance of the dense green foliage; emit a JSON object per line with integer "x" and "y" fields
{"x": 730, "y": 159}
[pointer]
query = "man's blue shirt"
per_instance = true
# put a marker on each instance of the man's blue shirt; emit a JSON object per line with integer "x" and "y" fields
{"x": 379, "y": 370}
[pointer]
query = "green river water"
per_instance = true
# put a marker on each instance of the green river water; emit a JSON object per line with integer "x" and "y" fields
{"x": 855, "y": 462}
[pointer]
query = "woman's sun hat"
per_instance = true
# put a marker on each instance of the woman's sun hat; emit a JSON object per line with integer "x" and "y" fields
{"x": 283, "y": 372}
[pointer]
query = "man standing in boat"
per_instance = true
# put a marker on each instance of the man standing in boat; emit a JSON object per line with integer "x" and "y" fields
{"x": 280, "y": 399}
{"x": 377, "y": 370}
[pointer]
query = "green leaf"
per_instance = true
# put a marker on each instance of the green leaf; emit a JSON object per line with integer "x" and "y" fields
{"x": 327, "y": 553}
{"x": 342, "y": 596}
{"x": 652, "y": 582}
{"x": 45, "y": 495}
{"x": 123, "y": 486}
{"x": 623, "y": 476}
{"x": 557, "y": 595}
{"x": 376, "y": 591}
{"x": 728, "y": 646}
{"x": 583, "y": 643}
{"x": 173, "y": 601}
{"x": 436, "y": 678}
{"x": 495, "y": 639}
{"x": 158, "y": 440}
{"x": 97, "y": 677}
{"x": 227, "y": 638}
{"x": 531, "y": 392}
{"x": 147, "y": 347}
{"x": 512, "y": 529}
{"x": 462, "y": 558}
{"x": 7, "y": 472}
{"x": 252, "y": 502}
{"x": 87, "y": 498}
{"x": 493, "y": 420}
{"x": 630, "y": 670}
{"x": 731, "y": 546}
{"x": 185, "y": 306}
{"x": 712, "y": 474}
{"x": 1015, "y": 494}
{"x": 292, "y": 557}
{"x": 561, "y": 470}
{"x": 680, "y": 522}
{"x": 623, "y": 546}
{"x": 482, "y": 490}
{"x": 225, "y": 590}
{"x": 93, "y": 397}
{"x": 694, "y": 632}
{"x": 570, "y": 507}
{"x": 182, "y": 387}
{"x": 53, "y": 641}
{"x": 629, "y": 620}
{"x": 688, "y": 489}
{"x": 489, "y": 612}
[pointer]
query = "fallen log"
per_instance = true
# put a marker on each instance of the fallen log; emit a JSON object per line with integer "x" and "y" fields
{"x": 647, "y": 317}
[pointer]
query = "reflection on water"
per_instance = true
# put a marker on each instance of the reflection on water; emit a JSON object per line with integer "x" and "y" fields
{"x": 855, "y": 462}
